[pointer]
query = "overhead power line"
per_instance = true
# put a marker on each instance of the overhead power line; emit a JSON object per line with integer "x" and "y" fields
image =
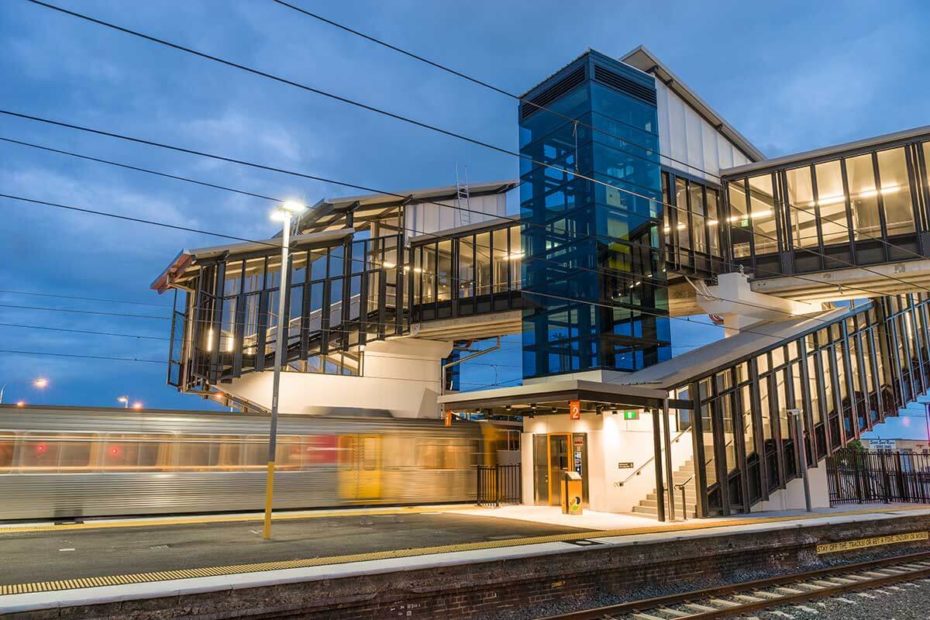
{"x": 497, "y": 89}
{"x": 81, "y": 331}
{"x": 77, "y": 355}
{"x": 96, "y": 312}
{"x": 81, "y": 298}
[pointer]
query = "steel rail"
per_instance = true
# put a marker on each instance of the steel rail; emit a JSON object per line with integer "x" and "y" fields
{"x": 702, "y": 596}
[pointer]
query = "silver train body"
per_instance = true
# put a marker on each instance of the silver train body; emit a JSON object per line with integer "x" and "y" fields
{"x": 64, "y": 463}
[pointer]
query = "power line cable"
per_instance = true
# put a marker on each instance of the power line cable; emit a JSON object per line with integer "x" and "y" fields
{"x": 81, "y": 298}
{"x": 96, "y": 312}
{"x": 81, "y": 331}
{"x": 497, "y": 89}
{"x": 83, "y": 356}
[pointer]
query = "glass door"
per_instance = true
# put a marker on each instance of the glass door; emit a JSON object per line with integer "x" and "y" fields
{"x": 558, "y": 462}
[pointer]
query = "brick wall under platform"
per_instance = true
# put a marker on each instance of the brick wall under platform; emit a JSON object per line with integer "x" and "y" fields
{"x": 490, "y": 589}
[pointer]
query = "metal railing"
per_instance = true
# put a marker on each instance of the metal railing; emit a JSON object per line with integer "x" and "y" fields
{"x": 859, "y": 476}
{"x": 639, "y": 470}
{"x": 499, "y": 484}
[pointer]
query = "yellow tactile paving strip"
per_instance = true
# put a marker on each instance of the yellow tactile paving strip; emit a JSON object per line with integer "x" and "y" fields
{"x": 238, "y": 518}
{"x": 216, "y": 571}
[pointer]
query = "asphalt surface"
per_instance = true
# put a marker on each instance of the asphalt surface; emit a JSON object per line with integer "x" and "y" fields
{"x": 45, "y": 556}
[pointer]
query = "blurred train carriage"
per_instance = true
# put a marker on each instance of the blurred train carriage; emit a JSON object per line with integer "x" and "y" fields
{"x": 60, "y": 462}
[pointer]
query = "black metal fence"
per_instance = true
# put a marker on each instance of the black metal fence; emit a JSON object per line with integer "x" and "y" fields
{"x": 499, "y": 484}
{"x": 858, "y": 476}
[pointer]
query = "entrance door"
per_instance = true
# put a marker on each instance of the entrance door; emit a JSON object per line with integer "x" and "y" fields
{"x": 558, "y": 462}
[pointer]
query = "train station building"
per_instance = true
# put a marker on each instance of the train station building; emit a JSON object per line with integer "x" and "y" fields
{"x": 638, "y": 205}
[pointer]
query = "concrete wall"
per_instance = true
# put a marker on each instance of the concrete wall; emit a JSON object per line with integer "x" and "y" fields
{"x": 792, "y": 496}
{"x": 401, "y": 376}
{"x": 611, "y": 440}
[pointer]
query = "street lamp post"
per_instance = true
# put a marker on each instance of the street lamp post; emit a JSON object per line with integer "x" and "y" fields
{"x": 124, "y": 400}
{"x": 282, "y": 214}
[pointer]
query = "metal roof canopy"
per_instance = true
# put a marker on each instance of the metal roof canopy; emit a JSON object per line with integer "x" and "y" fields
{"x": 189, "y": 260}
{"x": 544, "y": 395}
{"x": 646, "y": 61}
{"x": 829, "y": 151}
{"x": 372, "y": 206}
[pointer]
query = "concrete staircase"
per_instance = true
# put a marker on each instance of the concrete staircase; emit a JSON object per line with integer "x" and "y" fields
{"x": 684, "y": 474}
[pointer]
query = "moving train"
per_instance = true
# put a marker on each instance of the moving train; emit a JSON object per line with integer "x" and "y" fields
{"x": 70, "y": 463}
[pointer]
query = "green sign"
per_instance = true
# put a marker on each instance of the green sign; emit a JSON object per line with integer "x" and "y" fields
{"x": 631, "y": 415}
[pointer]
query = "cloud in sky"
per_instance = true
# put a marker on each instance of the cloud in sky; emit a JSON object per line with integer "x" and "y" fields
{"x": 790, "y": 75}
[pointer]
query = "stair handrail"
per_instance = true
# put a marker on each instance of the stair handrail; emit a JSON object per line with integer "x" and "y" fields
{"x": 639, "y": 469}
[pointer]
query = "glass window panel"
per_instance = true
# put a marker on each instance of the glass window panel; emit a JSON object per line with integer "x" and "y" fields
{"x": 501, "y": 260}
{"x": 666, "y": 209}
{"x": 762, "y": 214}
{"x": 713, "y": 220}
{"x": 696, "y": 197}
{"x": 739, "y": 220}
{"x": 681, "y": 211}
{"x": 466, "y": 271}
{"x": 483, "y": 263}
{"x": 831, "y": 203}
{"x": 926, "y": 146}
{"x": 863, "y": 197}
{"x": 444, "y": 270}
{"x": 516, "y": 257}
{"x": 801, "y": 208}
{"x": 895, "y": 191}
{"x": 429, "y": 272}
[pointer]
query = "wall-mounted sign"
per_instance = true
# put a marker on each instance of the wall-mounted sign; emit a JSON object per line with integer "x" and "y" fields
{"x": 631, "y": 415}
{"x": 883, "y": 444}
{"x": 574, "y": 409}
{"x": 625, "y": 465}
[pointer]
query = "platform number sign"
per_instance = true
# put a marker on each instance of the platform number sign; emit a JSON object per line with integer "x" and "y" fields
{"x": 631, "y": 415}
{"x": 574, "y": 409}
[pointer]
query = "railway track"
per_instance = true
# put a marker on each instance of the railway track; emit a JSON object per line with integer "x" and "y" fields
{"x": 744, "y": 598}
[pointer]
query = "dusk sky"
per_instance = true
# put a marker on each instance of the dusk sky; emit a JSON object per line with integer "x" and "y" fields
{"x": 790, "y": 76}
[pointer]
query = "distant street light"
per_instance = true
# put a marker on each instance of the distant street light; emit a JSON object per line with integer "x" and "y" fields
{"x": 137, "y": 405}
{"x": 40, "y": 382}
{"x": 124, "y": 400}
{"x": 282, "y": 214}
{"x": 20, "y": 403}
{"x": 2, "y": 388}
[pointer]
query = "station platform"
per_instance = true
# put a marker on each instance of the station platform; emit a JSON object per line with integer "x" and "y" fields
{"x": 119, "y": 565}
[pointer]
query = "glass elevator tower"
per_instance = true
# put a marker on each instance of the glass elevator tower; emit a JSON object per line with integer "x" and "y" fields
{"x": 594, "y": 285}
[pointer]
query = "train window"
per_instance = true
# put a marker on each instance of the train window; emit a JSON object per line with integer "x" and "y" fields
{"x": 39, "y": 451}
{"x": 6, "y": 451}
{"x": 154, "y": 451}
{"x": 255, "y": 451}
{"x": 429, "y": 455}
{"x": 230, "y": 452}
{"x": 288, "y": 452}
{"x": 120, "y": 453}
{"x": 197, "y": 452}
{"x": 445, "y": 454}
{"x": 76, "y": 452}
